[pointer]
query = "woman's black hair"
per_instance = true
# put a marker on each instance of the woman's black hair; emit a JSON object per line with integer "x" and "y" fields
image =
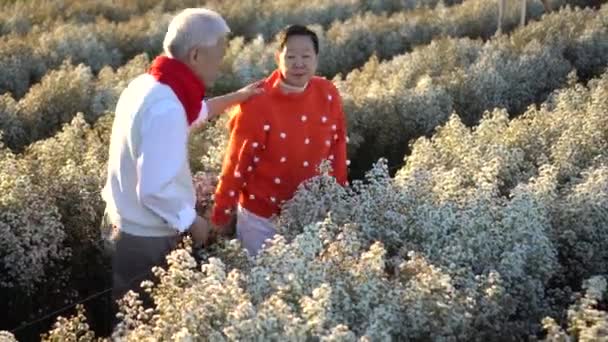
{"x": 298, "y": 30}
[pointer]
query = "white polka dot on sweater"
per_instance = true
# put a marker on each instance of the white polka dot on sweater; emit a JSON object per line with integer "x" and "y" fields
{"x": 304, "y": 118}
{"x": 250, "y": 168}
{"x": 348, "y": 162}
{"x": 227, "y": 211}
{"x": 273, "y": 200}
{"x": 331, "y": 157}
{"x": 255, "y": 145}
{"x": 252, "y": 197}
{"x": 283, "y": 135}
{"x": 256, "y": 159}
{"x": 334, "y": 127}
{"x": 232, "y": 193}
{"x": 277, "y": 181}
{"x": 283, "y": 159}
{"x": 327, "y": 142}
{"x": 307, "y": 141}
{"x": 305, "y": 164}
{"x": 324, "y": 119}
{"x": 237, "y": 174}
{"x": 267, "y": 128}
{"x": 329, "y": 97}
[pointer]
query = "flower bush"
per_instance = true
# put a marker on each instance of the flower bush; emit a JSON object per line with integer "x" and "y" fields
{"x": 484, "y": 233}
{"x": 585, "y": 321}
{"x": 55, "y": 100}
{"x": 486, "y": 229}
{"x": 393, "y": 102}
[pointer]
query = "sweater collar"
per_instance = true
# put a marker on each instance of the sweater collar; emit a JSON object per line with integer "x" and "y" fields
{"x": 274, "y": 82}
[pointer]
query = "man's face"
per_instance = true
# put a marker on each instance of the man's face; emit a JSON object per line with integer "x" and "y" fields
{"x": 206, "y": 61}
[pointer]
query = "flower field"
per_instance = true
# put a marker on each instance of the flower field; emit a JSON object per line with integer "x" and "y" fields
{"x": 478, "y": 202}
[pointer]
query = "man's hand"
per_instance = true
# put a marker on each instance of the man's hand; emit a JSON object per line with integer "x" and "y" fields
{"x": 227, "y": 230}
{"x": 251, "y": 89}
{"x": 200, "y": 231}
{"x": 218, "y": 105}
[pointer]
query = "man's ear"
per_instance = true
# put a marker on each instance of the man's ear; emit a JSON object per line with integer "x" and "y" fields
{"x": 193, "y": 55}
{"x": 277, "y": 57}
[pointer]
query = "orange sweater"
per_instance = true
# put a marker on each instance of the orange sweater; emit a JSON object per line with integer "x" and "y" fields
{"x": 277, "y": 141}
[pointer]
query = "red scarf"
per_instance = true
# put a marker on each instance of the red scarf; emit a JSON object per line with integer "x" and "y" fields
{"x": 184, "y": 83}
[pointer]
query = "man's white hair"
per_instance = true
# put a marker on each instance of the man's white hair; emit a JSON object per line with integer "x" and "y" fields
{"x": 193, "y": 27}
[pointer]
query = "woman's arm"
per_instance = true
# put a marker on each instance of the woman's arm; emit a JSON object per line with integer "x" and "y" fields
{"x": 246, "y": 136}
{"x": 218, "y": 105}
{"x": 340, "y": 162}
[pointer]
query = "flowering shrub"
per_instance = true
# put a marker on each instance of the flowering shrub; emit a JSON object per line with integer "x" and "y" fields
{"x": 19, "y": 65}
{"x": 32, "y": 234}
{"x": 585, "y": 321}
{"x": 110, "y": 83}
{"x": 103, "y": 33}
{"x": 410, "y": 95}
{"x": 246, "y": 17}
{"x": 50, "y": 220}
{"x": 483, "y": 233}
{"x": 11, "y": 126}
{"x": 54, "y": 101}
{"x": 346, "y": 45}
{"x": 470, "y": 240}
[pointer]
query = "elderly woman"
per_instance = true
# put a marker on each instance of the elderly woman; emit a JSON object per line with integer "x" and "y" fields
{"x": 278, "y": 139}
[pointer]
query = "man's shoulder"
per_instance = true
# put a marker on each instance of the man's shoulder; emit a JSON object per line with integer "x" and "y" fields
{"x": 153, "y": 93}
{"x": 148, "y": 98}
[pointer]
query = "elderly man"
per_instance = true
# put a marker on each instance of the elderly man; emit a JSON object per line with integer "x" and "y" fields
{"x": 149, "y": 194}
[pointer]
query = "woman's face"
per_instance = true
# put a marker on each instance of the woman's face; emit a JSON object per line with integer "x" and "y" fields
{"x": 297, "y": 61}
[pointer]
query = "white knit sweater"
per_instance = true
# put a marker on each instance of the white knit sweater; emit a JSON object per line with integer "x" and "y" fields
{"x": 149, "y": 190}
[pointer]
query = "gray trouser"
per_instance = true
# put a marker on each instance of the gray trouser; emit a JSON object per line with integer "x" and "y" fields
{"x": 253, "y": 231}
{"x": 133, "y": 258}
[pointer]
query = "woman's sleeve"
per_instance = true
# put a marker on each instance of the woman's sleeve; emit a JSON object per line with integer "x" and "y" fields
{"x": 245, "y": 138}
{"x": 340, "y": 164}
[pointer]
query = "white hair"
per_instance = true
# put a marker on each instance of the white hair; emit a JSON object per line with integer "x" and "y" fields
{"x": 193, "y": 27}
